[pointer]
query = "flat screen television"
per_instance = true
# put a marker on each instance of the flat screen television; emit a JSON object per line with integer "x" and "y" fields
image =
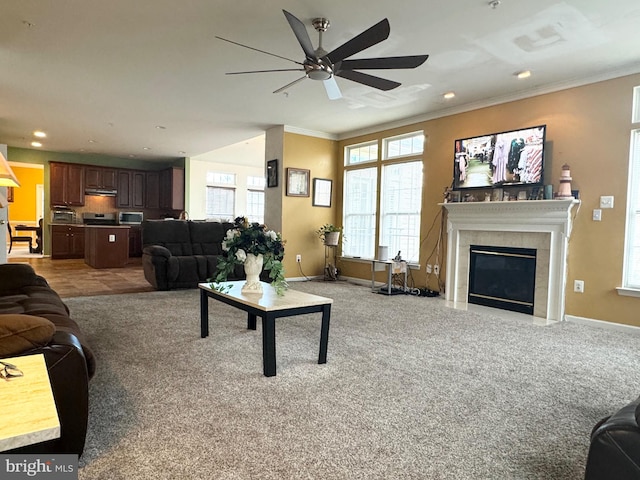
{"x": 500, "y": 159}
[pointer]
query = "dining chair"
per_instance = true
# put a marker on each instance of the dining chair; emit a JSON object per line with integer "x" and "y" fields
{"x": 18, "y": 238}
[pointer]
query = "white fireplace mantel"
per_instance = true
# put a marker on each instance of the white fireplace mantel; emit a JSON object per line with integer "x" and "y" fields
{"x": 541, "y": 224}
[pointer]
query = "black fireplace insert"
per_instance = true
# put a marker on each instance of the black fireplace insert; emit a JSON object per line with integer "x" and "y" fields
{"x": 502, "y": 277}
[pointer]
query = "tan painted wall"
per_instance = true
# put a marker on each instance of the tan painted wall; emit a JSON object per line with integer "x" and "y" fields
{"x": 300, "y": 219}
{"x": 588, "y": 128}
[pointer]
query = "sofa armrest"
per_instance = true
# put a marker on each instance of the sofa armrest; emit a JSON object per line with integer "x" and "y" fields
{"x": 615, "y": 446}
{"x": 156, "y": 250}
{"x": 14, "y": 276}
{"x": 69, "y": 379}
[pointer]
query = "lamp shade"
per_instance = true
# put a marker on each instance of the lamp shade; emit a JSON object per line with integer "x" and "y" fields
{"x": 7, "y": 177}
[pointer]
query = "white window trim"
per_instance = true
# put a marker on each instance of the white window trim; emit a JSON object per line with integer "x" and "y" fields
{"x": 387, "y": 140}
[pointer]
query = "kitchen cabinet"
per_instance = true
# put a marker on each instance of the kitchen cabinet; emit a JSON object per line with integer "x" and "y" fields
{"x": 99, "y": 177}
{"x": 131, "y": 186}
{"x": 66, "y": 184}
{"x": 106, "y": 246}
{"x": 172, "y": 189}
{"x": 152, "y": 194}
{"x": 135, "y": 241}
{"x": 67, "y": 241}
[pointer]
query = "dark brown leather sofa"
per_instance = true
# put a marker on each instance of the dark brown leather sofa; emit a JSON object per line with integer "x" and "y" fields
{"x": 614, "y": 452}
{"x": 182, "y": 253}
{"x": 24, "y": 295}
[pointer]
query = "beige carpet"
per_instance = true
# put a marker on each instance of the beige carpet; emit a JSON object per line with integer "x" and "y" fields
{"x": 411, "y": 390}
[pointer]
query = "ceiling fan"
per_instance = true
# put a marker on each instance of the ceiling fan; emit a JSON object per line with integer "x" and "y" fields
{"x": 325, "y": 66}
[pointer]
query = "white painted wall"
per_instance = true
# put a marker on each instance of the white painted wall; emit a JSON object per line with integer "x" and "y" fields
{"x": 243, "y": 159}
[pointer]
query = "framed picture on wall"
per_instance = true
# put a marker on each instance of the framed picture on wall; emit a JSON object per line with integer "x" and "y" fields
{"x": 322, "y": 192}
{"x": 272, "y": 173}
{"x": 297, "y": 182}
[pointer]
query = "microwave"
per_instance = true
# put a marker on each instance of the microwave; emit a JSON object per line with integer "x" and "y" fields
{"x": 63, "y": 215}
{"x": 130, "y": 218}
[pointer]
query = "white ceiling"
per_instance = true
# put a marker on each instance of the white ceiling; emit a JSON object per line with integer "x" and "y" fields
{"x": 112, "y": 71}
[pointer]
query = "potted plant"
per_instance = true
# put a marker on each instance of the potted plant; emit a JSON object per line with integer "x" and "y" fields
{"x": 329, "y": 234}
{"x": 253, "y": 245}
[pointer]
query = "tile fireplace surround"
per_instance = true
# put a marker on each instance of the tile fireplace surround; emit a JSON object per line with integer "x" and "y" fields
{"x": 541, "y": 224}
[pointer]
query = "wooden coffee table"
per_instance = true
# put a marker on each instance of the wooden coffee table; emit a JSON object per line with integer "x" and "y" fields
{"x": 269, "y": 307}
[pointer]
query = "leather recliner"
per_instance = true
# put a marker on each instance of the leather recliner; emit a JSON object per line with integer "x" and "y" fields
{"x": 182, "y": 253}
{"x": 614, "y": 452}
{"x": 70, "y": 361}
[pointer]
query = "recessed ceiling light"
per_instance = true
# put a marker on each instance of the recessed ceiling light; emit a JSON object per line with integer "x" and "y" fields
{"x": 39, "y": 134}
{"x": 146, "y": 148}
{"x": 524, "y": 74}
{"x": 161, "y": 127}
{"x": 36, "y": 144}
{"x": 91, "y": 141}
{"x": 131, "y": 155}
{"x": 449, "y": 95}
{"x": 181, "y": 152}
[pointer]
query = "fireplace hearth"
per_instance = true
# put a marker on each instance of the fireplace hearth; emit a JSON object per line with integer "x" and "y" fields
{"x": 502, "y": 277}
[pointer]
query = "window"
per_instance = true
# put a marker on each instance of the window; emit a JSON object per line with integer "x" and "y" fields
{"x": 365, "y": 152}
{"x": 218, "y": 178}
{"x": 394, "y": 221}
{"x": 256, "y": 182}
{"x": 631, "y": 269}
{"x": 220, "y": 202}
{"x": 400, "y": 208}
{"x": 360, "y": 191}
{"x": 411, "y": 144}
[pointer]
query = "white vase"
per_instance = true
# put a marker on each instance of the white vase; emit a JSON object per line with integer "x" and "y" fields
{"x": 252, "y": 269}
{"x": 331, "y": 238}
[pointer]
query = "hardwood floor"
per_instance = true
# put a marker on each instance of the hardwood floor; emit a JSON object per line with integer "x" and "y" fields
{"x": 74, "y": 278}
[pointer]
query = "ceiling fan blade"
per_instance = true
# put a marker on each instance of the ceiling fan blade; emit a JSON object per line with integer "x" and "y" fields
{"x": 282, "y": 89}
{"x": 267, "y": 71}
{"x": 332, "y": 88}
{"x": 300, "y": 31}
{"x": 369, "y": 80}
{"x": 409, "y": 61}
{"x": 376, "y": 34}
{"x": 258, "y": 50}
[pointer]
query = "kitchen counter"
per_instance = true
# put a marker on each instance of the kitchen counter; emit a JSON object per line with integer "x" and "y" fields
{"x": 106, "y": 246}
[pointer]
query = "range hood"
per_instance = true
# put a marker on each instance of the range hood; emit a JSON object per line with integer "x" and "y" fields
{"x": 101, "y": 192}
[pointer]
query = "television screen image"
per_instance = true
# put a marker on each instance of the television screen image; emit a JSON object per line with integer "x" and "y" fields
{"x": 501, "y": 159}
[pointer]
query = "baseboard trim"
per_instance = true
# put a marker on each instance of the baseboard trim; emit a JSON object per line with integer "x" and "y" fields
{"x": 621, "y": 327}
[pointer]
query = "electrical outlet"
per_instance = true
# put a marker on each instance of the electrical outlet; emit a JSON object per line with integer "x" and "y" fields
{"x": 578, "y": 286}
{"x": 429, "y": 268}
{"x": 299, "y": 258}
{"x": 436, "y": 269}
{"x": 597, "y": 215}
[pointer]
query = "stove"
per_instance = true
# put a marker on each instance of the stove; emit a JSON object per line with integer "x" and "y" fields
{"x": 99, "y": 218}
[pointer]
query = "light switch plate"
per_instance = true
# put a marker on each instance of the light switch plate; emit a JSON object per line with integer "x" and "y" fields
{"x": 112, "y": 238}
{"x": 606, "y": 201}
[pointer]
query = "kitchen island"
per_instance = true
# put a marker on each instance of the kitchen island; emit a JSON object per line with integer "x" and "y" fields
{"x": 106, "y": 246}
